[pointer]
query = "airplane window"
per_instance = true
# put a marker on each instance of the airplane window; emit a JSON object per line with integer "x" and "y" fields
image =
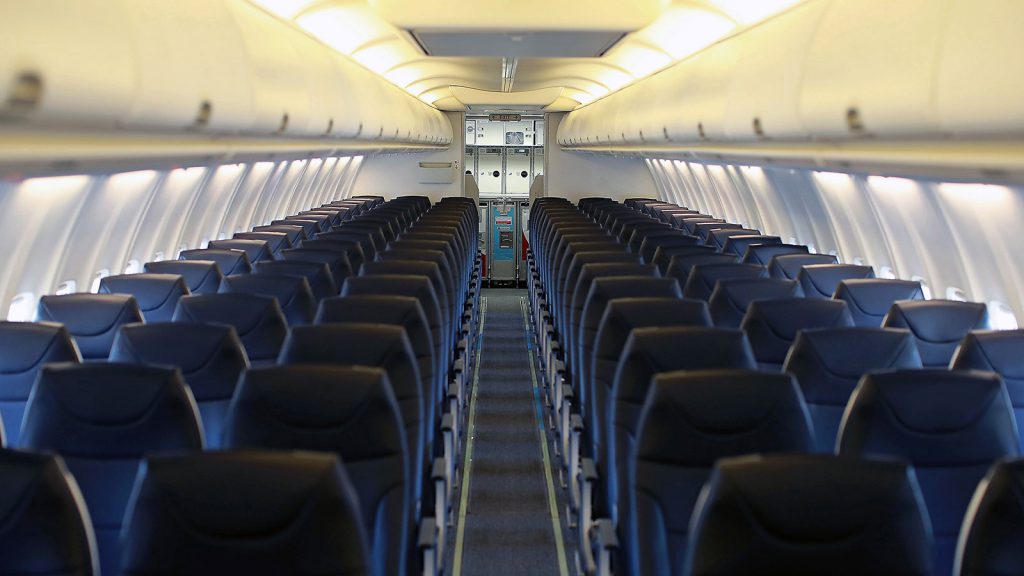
{"x": 22, "y": 308}
{"x": 181, "y": 249}
{"x": 67, "y": 287}
{"x": 836, "y": 254}
{"x": 159, "y": 257}
{"x": 96, "y": 280}
{"x": 205, "y": 243}
{"x": 222, "y": 236}
{"x": 811, "y": 248}
{"x": 858, "y": 261}
{"x": 886, "y": 272}
{"x": 1001, "y": 316}
{"x": 956, "y": 294}
{"x": 133, "y": 267}
{"x": 925, "y": 289}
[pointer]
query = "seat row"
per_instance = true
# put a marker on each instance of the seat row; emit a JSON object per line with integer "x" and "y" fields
{"x": 609, "y": 324}
{"x": 376, "y": 380}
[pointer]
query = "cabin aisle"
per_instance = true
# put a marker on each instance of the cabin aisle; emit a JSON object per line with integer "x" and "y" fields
{"x": 508, "y": 525}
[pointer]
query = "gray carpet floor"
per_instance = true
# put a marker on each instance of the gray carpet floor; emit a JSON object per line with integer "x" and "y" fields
{"x": 508, "y": 524}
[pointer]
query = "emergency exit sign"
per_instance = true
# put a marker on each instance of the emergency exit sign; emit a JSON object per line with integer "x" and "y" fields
{"x": 505, "y": 117}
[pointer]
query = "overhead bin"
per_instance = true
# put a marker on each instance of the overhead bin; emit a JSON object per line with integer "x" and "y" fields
{"x": 702, "y": 84}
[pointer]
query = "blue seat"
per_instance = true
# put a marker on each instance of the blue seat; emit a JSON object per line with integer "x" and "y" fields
{"x": 293, "y": 293}
{"x": 663, "y": 255}
{"x": 739, "y": 243}
{"x": 650, "y": 351}
{"x": 787, "y": 266}
{"x": 229, "y": 261}
{"x": 829, "y": 362}
{"x": 253, "y": 513}
{"x": 45, "y": 527}
{"x": 808, "y": 515}
{"x": 26, "y": 347}
{"x": 717, "y": 237}
{"x": 649, "y": 247}
{"x": 103, "y": 419}
{"x": 258, "y": 320}
{"x": 363, "y": 239}
{"x": 690, "y": 421}
{"x": 951, "y": 426}
{"x": 323, "y": 222}
{"x": 295, "y": 234}
{"x": 337, "y": 261}
{"x": 870, "y": 299}
{"x": 92, "y": 319}
{"x": 329, "y": 242}
{"x": 703, "y": 230}
{"x": 994, "y": 527}
{"x": 346, "y": 410}
{"x": 201, "y": 276}
{"x": 731, "y": 297}
{"x": 321, "y": 281}
{"x": 276, "y": 241}
{"x": 703, "y": 278}
{"x": 681, "y": 264}
{"x": 444, "y": 288}
{"x": 763, "y": 253}
{"x": 310, "y": 228}
{"x": 773, "y": 325}
{"x": 210, "y": 356}
{"x": 156, "y": 294}
{"x": 821, "y": 280}
{"x": 998, "y": 351}
{"x": 938, "y": 326}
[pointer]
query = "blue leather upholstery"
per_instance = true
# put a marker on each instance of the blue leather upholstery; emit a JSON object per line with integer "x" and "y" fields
{"x": 330, "y": 242}
{"x": 994, "y": 527}
{"x": 91, "y": 319}
{"x": 25, "y": 347}
{"x": 999, "y": 351}
{"x": 731, "y": 297}
{"x": 291, "y": 513}
{"x": 787, "y": 266}
{"x": 773, "y": 325}
{"x": 703, "y": 277}
{"x": 680, "y": 265}
{"x": 444, "y": 288}
{"x": 763, "y": 253}
{"x": 650, "y": 351}
{"x": 663, "y": 255}
{"x": 870, "y": 299}
{"x": 229, "y": 261}
{"x": 201, "y": 276}
{"x": 364, "y": 239}
{"x": 259, "y": 321}
{"x": 337, "y": 262}
{"x": 210, "y": 356}
{"x": 829, "y": 362}
{"x": 45, "y": 530}
{"x": 690, "y": 421}
{"x": 809, "y": 515}
{"x": 821, "y": 280}
{"x": 277, "y": 240}
{"x": 293, "y": 293}
{"x": 321, "y": 281}
{"x": 716, "y": 238}
{"x": 346, "y": 410}
{"x": 103, "y": 418}
{"x": 310, "y": 228}
{"x": 295, "y": 234}
{"x": 950, "y": 426}
{"x": 738, "y": 244}
{"x": 937, "y": 325}
{"x": 156, "y": 294}
{"x": 703, "y": 229}
{"x": 620, "y": 318}
{"x": 650, "y": 244}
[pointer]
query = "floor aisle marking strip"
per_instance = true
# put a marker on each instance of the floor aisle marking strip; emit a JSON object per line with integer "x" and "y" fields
{"x": 556, "y": 522}
{"x": 460, "y": 531}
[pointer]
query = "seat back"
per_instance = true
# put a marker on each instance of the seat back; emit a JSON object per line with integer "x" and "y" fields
{"x": 258, "y": 320}
{"x": 46, "y": 528}
{"x": 229, "y": 261}
{"x": 103, "y": 418}
{"x": 787, "y": 266}
{"x": 321, "y": 281}
{"x": 277, "y": 240}
{"x": 717, "y": 237}
{"x": 731, "y": 297}
{"x": 821, "y": 280}
{"x": 950, "y": 425}
{"x": 273, "y": 513}
{"x": 91, "y": 319}
{"x": 690, "y": 421}
{"x": 773, "y": 325}
{"x": 337, "y": 261}
{"x": 796, "y": 514}
{"x": 996, "y": 351}
{"x": 701, "y": 281}
{"x": 938, "y": 326}
{"x": 663, "y": 255}
{"x": 346, "y": 410}
{"x": 210, "y": 356}
{"x": 739, "y": 243}
{"x": 990, "y": 539}
{"x": 25, "y": 347}
{"x": 257, "y": 250}
{"x": 295, "y": 234}
{"x": 829, "y": 362}
{"x": 293, "y": 293}
{"x": 870, "y": 299}
{"x": 763, "y": 253}
{"x": 156, "y": 294}
{"x": 329, "y": 242}
{"x": 201, "y": 276}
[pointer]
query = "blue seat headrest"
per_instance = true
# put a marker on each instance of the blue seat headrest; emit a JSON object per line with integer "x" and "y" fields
{"x": 870, "y": 299}
{"x": 245, "y": 513}
{"x": 994, "y": 526}
{"x": 703, "y": 277}
{"x": 24, "y": 348}
{"x": 229, "y": 261}
{"x": 800, "y": 513}
{"x": 938, "y": 325}
{"x": 821, "y": 280}
{"x": 763, "y": 253}
{"x": 201, "y": 276}
{"x": 321, "y": 280}
{"x": 773, "y": 325}
{"x": 276, "y": 241}
{"x": 996, "y": 351}
{"x": 110, "y": 410}
{"x": 731, "y": 297}
{"x": 156, "y": 294}
{"x": 92, "y": 319}
{"x": 787, "y": 266}
{"x": 405, "y": 311}
{"x": 293, "y": 293}
{"x": 259, "y": 320}
{"x": 337, "y": 261}
{"x": 738, "y": 244}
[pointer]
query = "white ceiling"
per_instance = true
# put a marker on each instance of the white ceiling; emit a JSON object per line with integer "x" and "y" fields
{"x": 544, "y": 54}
